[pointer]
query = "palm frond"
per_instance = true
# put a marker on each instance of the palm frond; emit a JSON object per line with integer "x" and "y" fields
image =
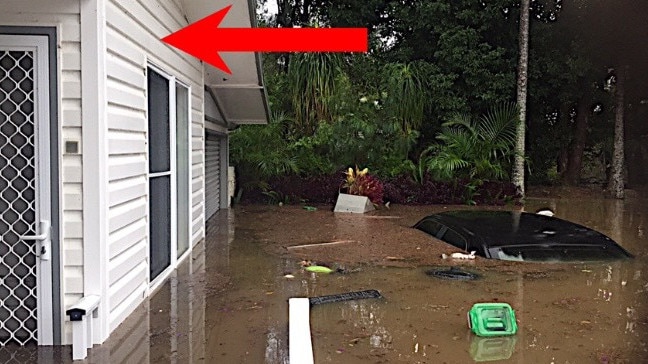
{"x": 499, "y": 124}
{"x": 478, "y": 149}
{"x": 463, "y": 121}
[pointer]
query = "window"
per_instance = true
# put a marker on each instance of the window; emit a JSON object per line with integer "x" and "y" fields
{"x": 429, "y": 226}
{"x": 169, "y": 169}
{"x": 183, "y": 168}
{"x": 451, "y": 237}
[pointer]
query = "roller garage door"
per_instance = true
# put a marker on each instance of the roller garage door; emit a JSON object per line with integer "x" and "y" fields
{"x": 214, "y": 148}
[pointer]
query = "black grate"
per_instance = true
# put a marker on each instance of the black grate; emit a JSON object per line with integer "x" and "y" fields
{"x": 359, "y": 295}
{"x": 453, "y": 273}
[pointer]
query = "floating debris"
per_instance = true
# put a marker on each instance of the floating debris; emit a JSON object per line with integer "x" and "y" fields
{"x": 460, "y": 255}
{"x": 545, "y": 212}
{"x": 492, "y": 319}
{"x": 315, "y": 245}
{"x": 319, "y": 269}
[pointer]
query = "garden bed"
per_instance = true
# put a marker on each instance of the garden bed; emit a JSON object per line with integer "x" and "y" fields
{"x": 400, "y": 190}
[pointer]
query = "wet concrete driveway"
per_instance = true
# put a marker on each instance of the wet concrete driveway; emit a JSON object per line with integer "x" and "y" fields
{"x": 228, "y": 302}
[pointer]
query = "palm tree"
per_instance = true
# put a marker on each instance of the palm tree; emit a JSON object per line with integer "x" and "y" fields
{"x": 618, "y": 158}
{"x": 523, "y": 64}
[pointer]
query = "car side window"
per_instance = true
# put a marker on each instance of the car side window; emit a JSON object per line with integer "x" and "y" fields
{"x": 453, "y": 238}
{"x": 444, "y": 233}
{"x": 429, "y": 226}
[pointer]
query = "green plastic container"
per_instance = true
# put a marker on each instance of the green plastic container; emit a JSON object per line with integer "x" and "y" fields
{"x": 492, "y": 319}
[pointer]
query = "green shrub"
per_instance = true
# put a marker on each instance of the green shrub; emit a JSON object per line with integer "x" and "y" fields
{"x": 479, "y": 149}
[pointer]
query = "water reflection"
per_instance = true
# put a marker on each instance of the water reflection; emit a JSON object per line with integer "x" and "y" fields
{"x": 170, "y": 327}
{"x": 491, "y": 348}
{"x": 622, "y": 220}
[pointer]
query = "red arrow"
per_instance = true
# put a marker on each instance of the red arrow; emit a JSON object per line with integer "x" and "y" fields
{"x": 203, "y": 39}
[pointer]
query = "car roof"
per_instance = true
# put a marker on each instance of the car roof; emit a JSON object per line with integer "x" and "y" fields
{"x": 511, "y": 228}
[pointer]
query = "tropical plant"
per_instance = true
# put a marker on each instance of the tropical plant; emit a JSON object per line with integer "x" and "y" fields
{"x": 476, "y": 149}
{"x": 314, "y": 79}
{"x": 417, "y": 169}
{"x": 261, "y": 150}
{"x": 361, "y": 183}
{"x": 354, "y": 140}
{"x": 274, "y": 197}
{"x": 406, "y": 94}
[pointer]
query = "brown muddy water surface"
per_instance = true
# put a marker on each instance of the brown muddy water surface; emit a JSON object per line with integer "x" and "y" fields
{"x": 228, "y": 302}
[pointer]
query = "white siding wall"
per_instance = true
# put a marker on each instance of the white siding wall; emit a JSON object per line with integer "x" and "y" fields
{"x": 134, "y": 29}
{"x": 64, "y": 14}
{"x": 132, "y": 39}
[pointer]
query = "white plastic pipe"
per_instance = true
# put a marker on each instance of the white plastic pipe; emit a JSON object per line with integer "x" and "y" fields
{"x": 300, "y": 346}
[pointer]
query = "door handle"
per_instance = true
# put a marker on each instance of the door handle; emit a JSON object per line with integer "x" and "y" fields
{"x": 44, "y": 238}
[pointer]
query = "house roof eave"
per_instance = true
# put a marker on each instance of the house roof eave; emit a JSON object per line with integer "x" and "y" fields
{"x": 240, "y": 97}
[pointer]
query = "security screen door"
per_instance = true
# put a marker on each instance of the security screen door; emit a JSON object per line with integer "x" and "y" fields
{"x": 25, "y": 195}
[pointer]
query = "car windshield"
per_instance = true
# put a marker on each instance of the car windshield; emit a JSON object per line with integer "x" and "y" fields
{"x": 557, "y": 253}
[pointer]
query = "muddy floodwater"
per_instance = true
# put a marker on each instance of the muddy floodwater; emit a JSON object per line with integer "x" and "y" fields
{"x": 567, "y": 313}
{"x": 228, "y": 302}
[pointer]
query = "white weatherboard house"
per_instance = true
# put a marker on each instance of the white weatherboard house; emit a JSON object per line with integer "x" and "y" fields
{"x": 113, "y": 154}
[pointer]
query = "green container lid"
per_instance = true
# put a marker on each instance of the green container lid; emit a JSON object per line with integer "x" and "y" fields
{"x": 492, "y": 319}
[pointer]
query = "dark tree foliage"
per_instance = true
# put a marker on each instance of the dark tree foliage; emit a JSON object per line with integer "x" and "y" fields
{"x": 464, "y": 54}
{"x": 470, "y": 46}
{"x": 298, "y": 12}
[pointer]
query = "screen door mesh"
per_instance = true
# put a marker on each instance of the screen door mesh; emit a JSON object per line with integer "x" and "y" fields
{"x": 18, "y": 321}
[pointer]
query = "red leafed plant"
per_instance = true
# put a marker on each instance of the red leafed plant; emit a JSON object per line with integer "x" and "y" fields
{"x": 361, "y": 183}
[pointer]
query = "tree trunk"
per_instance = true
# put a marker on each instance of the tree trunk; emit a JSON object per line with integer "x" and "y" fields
{"x": 575, "y": 160}
{"x": 617, "y": 180}
{"x": 523, "y": 64}
{"x": 563, "y": 159}
{"x": 563, "y": 154}
{"x": 284, "y": 14}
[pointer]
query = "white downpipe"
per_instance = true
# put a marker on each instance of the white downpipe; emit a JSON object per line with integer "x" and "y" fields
{"x": 300, "y": 346}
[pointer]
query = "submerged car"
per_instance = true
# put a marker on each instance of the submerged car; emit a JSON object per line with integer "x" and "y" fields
{"x": 521, "y": 236}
